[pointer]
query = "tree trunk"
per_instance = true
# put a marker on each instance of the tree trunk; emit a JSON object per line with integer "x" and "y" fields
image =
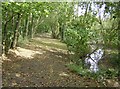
{"x": 119, "y": 35}
{"x": 4, "y": 32}
{"x": 4, "y": 36}
{"x": 62, "y": 31}
{"x": 26, "y": 25}
{"x": 53, "y": 32}
{"x": 31, "y": 32}
{"x": 16, "y": 32}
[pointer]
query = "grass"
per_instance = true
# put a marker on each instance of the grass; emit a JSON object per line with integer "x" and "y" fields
{"x": 109, "y": 73}
{"x": 49, "y": 43}
{"x": 43, "y": 42}
{"x": 114, "y": 60}
{"x": 22, "y": 42}
{"x": 78, "y": 69}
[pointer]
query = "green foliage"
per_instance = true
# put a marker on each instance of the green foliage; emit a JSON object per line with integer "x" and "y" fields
{"x": 29, "y": 13}
{"x": 102, "y": 74}
{"x": 109, "y": 73}
{"x": 43, "y": 28}
{"x": 110, "y": 32}
{"x": 22, "y": 41}
{"x": 76, "y": 38}
{"x": 114, "y": 60}
{"x": 8, "y": 41}
{"x": 78, "y": 69}
{"x": 77, "y": 41}
{"x": 79, "y": 33}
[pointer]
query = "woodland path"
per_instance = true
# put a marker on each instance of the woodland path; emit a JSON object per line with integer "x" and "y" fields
{"x": 44, "y": 69}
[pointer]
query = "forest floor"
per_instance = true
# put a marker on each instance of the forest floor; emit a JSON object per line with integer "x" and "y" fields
{"x": 41, "y": 63}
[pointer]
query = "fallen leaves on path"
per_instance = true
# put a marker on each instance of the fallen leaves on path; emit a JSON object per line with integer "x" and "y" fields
{"x": 45, "y": 69}
{"x": 26, "y": 53}
{"x": 63, "y": 74}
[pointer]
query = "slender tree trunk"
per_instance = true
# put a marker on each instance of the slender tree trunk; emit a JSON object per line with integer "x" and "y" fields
{"x": 12, "y": 27}
{"x": 26, "y": 33}
{"x": 62, "y": 31}
{"x": 4, "y": 32}
{"x": 26, "y": 26}
{"x": 13, "y": 23}
{"x": 53, "y": 36}
{"x": 31, "y": 33}
{"x": 86, "y": 11}
{"x": 118, "y": 34}
{"x": 16, "y": 32}
{"x": 19, "y": 28}
{"x": 4, "y": 36}
{"x": 39, "y": 21}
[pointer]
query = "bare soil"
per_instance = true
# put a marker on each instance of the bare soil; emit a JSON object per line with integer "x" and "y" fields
{"x": 42, "y": 70}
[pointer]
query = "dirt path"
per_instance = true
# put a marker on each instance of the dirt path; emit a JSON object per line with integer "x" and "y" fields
{"x": 46, "y": 69}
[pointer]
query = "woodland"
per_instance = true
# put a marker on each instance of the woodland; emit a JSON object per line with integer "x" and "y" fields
{"x": 44, "y": 44}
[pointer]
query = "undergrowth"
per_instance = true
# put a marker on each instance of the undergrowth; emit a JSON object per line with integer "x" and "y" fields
{"x": 22, "y": 41}
{"x": 110, "y": 73}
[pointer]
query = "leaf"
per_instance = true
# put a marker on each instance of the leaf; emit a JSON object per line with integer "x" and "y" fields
{"x": 17, "y": 75}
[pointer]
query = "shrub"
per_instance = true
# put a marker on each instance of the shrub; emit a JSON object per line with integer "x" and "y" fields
{"x": 76, "y": 41}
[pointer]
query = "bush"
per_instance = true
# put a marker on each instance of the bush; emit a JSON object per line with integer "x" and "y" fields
{"x": 76, "y": 41}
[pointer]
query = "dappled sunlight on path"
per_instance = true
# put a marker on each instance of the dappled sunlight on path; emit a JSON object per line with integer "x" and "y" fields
{"x": 41, "y": 65}
{"x": 26, "y": 53}
{"x": 49, "y": 43}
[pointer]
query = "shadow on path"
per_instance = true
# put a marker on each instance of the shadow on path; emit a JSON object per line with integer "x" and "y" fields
{"x": 47, "y": 69}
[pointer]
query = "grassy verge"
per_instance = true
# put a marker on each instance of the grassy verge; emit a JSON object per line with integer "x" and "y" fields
{"x": 110, "y": 73}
